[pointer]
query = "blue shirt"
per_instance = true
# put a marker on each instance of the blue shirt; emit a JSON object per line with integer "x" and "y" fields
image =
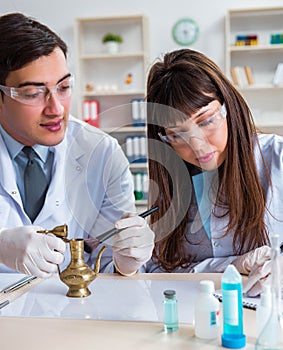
{"x": 19, "y": 159}
{"x": 201, "y": 183}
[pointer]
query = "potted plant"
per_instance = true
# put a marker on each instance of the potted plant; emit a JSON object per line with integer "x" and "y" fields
{"x": 112, "y": 42}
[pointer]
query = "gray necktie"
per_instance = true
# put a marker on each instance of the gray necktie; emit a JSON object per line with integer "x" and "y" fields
{"x": 35, "y": 184}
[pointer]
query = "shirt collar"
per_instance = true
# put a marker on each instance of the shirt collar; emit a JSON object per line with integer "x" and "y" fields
{"x": 14, "y": 147}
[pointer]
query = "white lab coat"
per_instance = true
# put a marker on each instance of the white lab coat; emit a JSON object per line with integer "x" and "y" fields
{"x": 91, "y": 187}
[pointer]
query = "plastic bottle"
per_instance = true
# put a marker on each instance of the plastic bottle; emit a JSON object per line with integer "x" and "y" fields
{"x": 263, "y": 310}
{"x": 171, "y": 323}
{"x": 207, "y": 312}
{"x": 233, "y": 336}
{"x": 271, "y": 336}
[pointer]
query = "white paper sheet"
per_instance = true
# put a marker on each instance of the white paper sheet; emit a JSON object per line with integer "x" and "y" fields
{"x": 111, "y": 299}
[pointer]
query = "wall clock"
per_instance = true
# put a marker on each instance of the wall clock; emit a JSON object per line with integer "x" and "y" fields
{"x": 185, "y": 31}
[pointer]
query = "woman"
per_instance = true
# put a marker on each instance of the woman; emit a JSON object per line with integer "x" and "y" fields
{"x": 214, "y": 178}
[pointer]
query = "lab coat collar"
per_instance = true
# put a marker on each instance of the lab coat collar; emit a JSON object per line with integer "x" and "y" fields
{"x": 7, "y": 174}
{"x": 14, "y": 147}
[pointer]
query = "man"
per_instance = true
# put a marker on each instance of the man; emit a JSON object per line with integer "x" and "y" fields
{"x": 81, "y": 172}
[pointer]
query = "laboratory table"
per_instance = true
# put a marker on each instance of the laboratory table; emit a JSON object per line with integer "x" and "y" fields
{"x": 54, "y": 333}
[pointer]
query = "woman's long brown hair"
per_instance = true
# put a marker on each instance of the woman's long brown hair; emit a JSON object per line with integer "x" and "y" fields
{"x": 178, "y": 86}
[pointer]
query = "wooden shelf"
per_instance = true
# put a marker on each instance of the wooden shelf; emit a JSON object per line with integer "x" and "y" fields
{"x": 111, "y": 19}
{"x": 112, "y": 93}
{"x": 253, "y": 48}
{"x": 261, "y": 87}
{"x": 105, "y": 74}
{"x": 103, "y": 56}
{"x": 137, "y": 166}
{"x": 263, "y": 97}
{"x": 125, "y": 129}
{"x": 142, "y": 202}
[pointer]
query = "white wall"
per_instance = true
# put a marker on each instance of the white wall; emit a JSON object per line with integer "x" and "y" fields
{"x": 162, "y": 14}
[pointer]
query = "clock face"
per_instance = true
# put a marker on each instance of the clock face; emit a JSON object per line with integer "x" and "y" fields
{"x": 185, "y": 31}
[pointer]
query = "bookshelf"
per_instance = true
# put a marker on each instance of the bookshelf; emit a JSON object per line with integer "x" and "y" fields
{"x": 111, "y": 86}
{"x": 261, "y": 56}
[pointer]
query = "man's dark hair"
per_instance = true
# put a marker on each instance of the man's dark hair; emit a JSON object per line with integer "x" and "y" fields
{"x": 23, "y": 40}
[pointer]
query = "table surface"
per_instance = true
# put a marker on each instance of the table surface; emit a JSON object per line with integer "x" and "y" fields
{"x": 61, "y": 333}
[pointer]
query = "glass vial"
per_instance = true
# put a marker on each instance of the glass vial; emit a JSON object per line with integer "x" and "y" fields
{"x": 207, "y": 312}
{"x": 263, "y": 310}
{"x": 232, "y": 306}
{"x": 170, "y": 303}
{"x": 270, "y": 338}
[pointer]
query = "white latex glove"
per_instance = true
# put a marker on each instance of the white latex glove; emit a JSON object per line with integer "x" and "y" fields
{"x": 258, "y": 277}
{"x": 245, "y": 263}
{"x": 133, "y": 246}
{"x": 29, "y": 252}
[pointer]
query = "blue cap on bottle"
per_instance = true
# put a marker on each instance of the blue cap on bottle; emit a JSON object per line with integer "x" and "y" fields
{"x": 233, "y": 341}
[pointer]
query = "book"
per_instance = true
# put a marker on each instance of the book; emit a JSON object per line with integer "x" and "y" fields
{"x": 239, "y": 76}
{"x": 249, "y": 75}
{"x": 138, "y": 299}
{"x": 91, "y": 112}
{"x": 234, "y": 76}
{"x": 248, "y": 302}
{"x": 278, "y": 76}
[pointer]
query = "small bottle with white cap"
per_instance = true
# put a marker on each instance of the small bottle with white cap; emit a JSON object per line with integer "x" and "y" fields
{"x": 207, "y": 312}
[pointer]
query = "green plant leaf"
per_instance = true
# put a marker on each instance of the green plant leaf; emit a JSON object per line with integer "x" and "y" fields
{"x": 112, "y": 37}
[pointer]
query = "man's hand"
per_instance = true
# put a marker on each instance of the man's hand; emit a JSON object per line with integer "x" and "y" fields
{"x": 29, "y": 252}
{"x": 133, "y": 246}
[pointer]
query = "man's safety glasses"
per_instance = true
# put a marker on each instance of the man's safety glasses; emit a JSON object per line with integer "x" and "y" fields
{"x": 38, "y": 95}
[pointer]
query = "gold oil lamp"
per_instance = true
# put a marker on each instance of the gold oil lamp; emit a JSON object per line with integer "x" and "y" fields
{"x": 77, "y": 275}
